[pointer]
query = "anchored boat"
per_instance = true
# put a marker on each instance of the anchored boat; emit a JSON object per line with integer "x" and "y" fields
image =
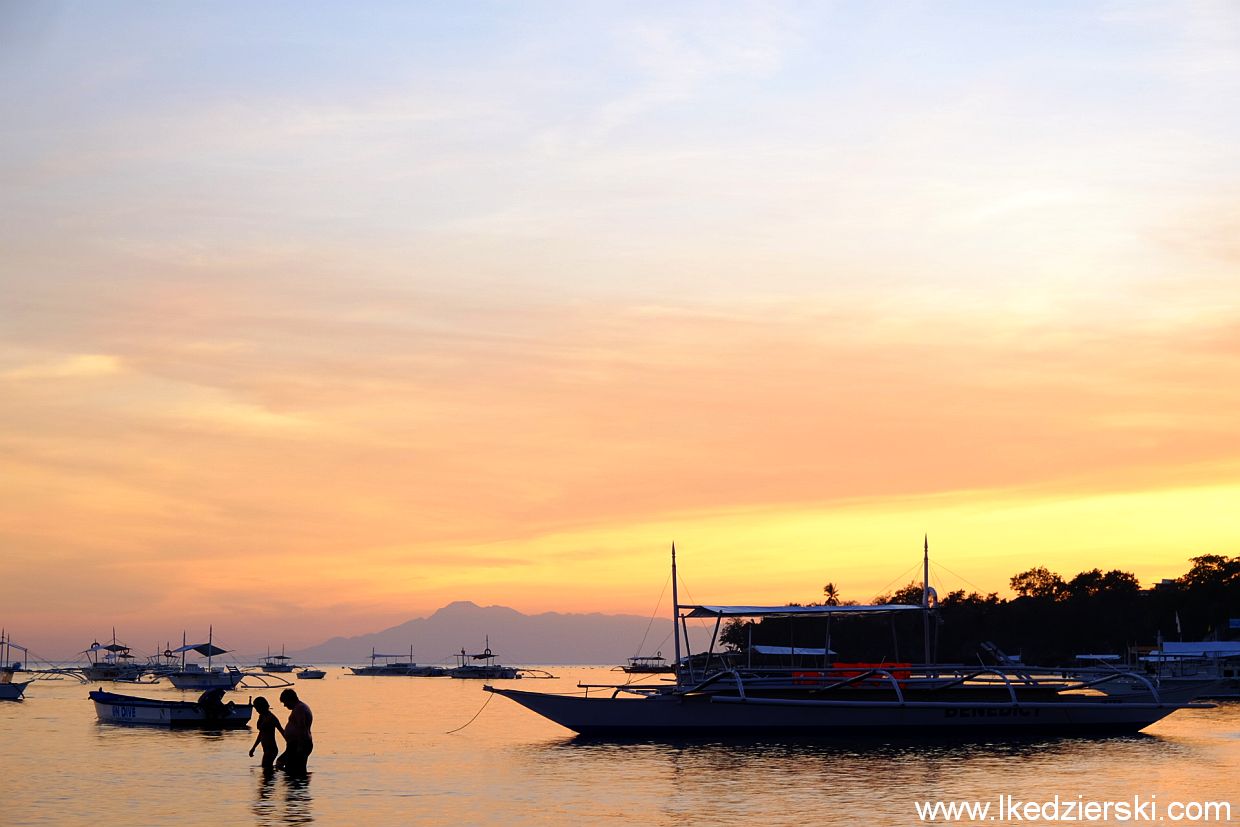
{"x": 10, "y": 690}
{"x": 112, "y": 662}
{"x": 197, "y": 676}
{"x": 714, "y": 695}
{"x": 277, "y": 664}
{"x": 390, "y": 666}
{"x": 482, "y": 666}
{"x": 648, "y": 665}
{"x": 129, "y": 709}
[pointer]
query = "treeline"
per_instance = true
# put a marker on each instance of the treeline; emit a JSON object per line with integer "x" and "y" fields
{"x": 1050, "y": 621}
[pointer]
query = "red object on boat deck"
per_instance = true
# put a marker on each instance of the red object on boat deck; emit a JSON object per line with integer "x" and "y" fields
{"x": 843, "y": 671}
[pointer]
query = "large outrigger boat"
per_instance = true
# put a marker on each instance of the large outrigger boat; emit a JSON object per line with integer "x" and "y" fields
{"x": 113, "y": 662}
{"x": 390, "y": 666}
{"x": 482, "y": 666}
{"x": 714, "y": 695}
{"x": 198, "y": 677}
{"x": 10, "y": 690}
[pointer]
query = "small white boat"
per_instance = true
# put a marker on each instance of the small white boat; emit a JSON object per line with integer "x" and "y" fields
{"x": 309, "y": 673}
{"x": 131, "y": 710}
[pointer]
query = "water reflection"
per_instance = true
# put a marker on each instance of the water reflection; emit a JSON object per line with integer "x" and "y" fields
{"x": 874, "y": 782}
{"x": 282, "y": 799}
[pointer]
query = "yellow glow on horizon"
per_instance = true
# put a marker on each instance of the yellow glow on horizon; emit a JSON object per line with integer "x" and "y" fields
{"x": 775, "y": 555}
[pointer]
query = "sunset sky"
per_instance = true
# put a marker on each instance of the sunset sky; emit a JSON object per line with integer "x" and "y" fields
{"x": 316, "y": 317}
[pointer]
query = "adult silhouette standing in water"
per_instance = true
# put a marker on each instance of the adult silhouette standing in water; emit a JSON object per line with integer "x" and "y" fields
{"x": 268, "y": 725}
{"x": 299, "y": 742}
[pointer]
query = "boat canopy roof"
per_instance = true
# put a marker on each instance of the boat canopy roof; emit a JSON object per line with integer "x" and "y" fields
{"x": 1198, "y": 649}
{"x": 795, "y": 611}
{"x": 111, "y": 647}
{"x": 207, "y": 650}
{"x": 792, "y": 650}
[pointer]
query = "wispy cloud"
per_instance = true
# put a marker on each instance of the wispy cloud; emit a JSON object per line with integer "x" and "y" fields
{"x": 80, "y": 366}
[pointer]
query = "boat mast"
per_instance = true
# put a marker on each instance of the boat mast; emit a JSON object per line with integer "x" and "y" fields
{"x": 925, "y": 596}
{"x": 675, "y": 612}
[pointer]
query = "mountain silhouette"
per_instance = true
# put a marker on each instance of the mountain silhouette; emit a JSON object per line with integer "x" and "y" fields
{"x": 515, "y": 638}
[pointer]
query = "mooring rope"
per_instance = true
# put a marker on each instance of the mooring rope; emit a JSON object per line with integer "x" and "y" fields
{"x": 476, "y": 714}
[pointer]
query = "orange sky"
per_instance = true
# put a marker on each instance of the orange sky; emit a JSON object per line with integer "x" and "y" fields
{"x": 300, "y": 360}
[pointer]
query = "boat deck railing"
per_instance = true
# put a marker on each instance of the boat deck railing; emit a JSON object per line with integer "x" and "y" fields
{"x": 821, "y": 683}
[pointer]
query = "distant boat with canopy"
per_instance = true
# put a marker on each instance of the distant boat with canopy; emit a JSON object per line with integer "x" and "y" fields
{"x": 391, "y": 666}
{"x": 482, "y": 666}
{"x": 196, "y": 676}
{"x": 112, "y": 662}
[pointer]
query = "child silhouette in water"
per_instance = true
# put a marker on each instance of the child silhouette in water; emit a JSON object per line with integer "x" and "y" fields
{"x": 267, "y": 725}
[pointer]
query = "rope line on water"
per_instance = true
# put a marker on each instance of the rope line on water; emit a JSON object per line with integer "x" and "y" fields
{"x": 476, "y": 714}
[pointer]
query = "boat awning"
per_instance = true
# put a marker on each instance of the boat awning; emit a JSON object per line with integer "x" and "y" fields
{"x": 111, "y": 647}
{"x": 795, "y": 611}
{"x": 791, "y": 650}
{"x": 207, "y": 650}
{"x": 377, "y": 655}
{"x": 1198, "y": 649}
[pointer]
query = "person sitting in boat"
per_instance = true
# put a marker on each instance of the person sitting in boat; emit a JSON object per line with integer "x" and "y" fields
{"x": 212, "y": 703}
{"x": 267, "y": 725}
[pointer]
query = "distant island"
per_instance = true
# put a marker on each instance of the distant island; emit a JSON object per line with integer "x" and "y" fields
{"x": 516, "y": 638}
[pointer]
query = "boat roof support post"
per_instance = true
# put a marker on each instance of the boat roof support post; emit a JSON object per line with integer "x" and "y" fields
{"x": 925, "y": 599}
{"x": 749, "y": 648}
{"x": 826, "y": 645}
{"x": 713, "y": 637}
{"x": 676, "y": 614}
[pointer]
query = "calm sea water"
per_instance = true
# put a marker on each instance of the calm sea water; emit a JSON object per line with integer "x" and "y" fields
{"x": 384, "y": 755}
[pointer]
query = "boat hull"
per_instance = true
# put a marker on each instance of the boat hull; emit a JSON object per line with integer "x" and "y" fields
{"x": 135, "y": 711}
{"x": 1168, "y": 690}
{"x": 707, "y": 715}
{"x": 399, "y": 671}
{"x": 485, "y": 673}
{"x": 202, "y": 680}
{"x": 11, "y": 691}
